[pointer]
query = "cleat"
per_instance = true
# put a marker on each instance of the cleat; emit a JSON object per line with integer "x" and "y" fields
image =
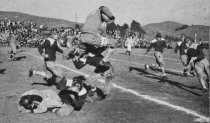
{"x": 185, "y": 74}
{"x": 192, "y": 73}
{"x": 83, "y": 60}
{"x": 164, "y": 77}
{"x": 30, "y": 74}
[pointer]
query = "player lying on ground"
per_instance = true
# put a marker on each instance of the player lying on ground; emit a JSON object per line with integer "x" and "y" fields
{"x": 158, "y": 44}
{"x": 41, "y": 101}
{"x": 91, "y": 33}
{"x": 201, "y": 65}
{"x": 48, "y": 49}
{"x": 92, "y": 92}
{"x": 62, "y": 103}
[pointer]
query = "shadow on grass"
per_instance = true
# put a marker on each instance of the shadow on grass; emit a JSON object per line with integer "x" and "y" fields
{"x": 49, "y": 82}
{"x": 122, "y": 53}
{"x": 171, "y": 82}
{"x": 2, "y": 71}
{"x": 19, "y": 58}
{"x": 167, "y": 71}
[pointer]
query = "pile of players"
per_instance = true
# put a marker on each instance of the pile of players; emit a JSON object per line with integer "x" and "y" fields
{"x": 84, "y": 49}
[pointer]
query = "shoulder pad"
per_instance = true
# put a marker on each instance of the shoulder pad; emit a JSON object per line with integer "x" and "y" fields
{"x": 179, "y": 43}
{"x": 153, "y": 41}
{"x": 51, "y": 41}
{"x": 42, "y": 41}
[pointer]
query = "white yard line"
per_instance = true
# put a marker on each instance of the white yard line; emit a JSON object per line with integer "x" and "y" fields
{"x": 146, "y": 97}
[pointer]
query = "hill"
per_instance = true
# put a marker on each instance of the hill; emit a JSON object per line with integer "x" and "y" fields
{"x": 166, "y": 28}
{"x": 169, "y": 28}
{"x": 51, "y": 22}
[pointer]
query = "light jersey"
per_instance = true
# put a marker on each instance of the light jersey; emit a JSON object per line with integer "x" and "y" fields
{"x": 93, "y": 23}
{"x": 50, "y": 98}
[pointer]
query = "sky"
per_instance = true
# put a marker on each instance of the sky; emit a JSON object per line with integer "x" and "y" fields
{"x": 191, "y": 12}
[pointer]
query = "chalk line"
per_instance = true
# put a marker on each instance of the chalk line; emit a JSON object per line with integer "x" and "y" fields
{"x": 146, "y": 97}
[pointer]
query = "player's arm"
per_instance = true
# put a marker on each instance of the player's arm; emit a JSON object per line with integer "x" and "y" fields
{"x": 42, "y": 46}
{"x": 176, "y": 49}
{"x": 23, "y": 110}
{"x": 200, "y": 55}
{"x": 164, "y": 43}
{"x": 41, "y": 108}
{"x": 59, "y": 49}
{"x": 149, "y": 48}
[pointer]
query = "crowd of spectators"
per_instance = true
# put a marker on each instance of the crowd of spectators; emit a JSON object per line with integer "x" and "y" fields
{"x": 30, "y": 35}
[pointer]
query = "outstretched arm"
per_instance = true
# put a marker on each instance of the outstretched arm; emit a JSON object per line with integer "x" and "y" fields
{"x": 40, "y": 109}
{"x": 149, "y": 48}
{"x": 42, "y": 46}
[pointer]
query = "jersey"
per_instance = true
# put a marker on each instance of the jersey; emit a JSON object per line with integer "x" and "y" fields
{"x": 158, "y": 45}
{"x": 50, "y": 46}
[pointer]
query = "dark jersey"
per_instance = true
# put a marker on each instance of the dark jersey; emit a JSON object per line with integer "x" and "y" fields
{"x": 158, "y": 45}
{"x": 198, "y": 53}
{"x": 50, "y": 46}
{"x": 181, "y": 46}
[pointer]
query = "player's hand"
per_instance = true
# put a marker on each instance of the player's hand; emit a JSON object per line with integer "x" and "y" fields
{"x": 65, "y": 56}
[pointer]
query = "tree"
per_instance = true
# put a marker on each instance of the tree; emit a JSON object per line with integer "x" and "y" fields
{"x": 123, "y": 29}
{"x": 111, "y": 27}
{"x": 77, "y": 26}
{"x": 136, "y": 27}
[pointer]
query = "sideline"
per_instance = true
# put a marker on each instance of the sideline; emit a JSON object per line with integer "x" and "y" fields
{"x": 146, "y": 97}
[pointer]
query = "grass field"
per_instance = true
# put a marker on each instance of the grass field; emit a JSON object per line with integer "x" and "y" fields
{"x": 136, "y": 96}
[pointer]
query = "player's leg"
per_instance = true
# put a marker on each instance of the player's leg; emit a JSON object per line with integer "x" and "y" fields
{"x": 46, "y": 73}
{"x": 12, "y": 51}
{"x": 183, "y": 59}
{"x": 160, "y": 62}
{"x": 207, "y": 71}
{"x": 64, "y": 110}
{"x": 108, "y": 75}
{"x": 199, "y": 69}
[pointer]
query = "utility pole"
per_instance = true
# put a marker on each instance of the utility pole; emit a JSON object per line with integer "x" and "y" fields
{"x": 76, "y": 17}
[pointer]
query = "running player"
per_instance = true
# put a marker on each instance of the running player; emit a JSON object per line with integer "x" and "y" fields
{"x": 48, "y": 49}
{"x": 201, "y": 65}
{"x": 158, "y": 44}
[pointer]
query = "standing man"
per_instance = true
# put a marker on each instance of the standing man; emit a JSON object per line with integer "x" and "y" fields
{"x": 158, "y": 44}
{"x": 48, "y": 49}
{"x": 13, "y": 45}
{"x": 129, "y": 42}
